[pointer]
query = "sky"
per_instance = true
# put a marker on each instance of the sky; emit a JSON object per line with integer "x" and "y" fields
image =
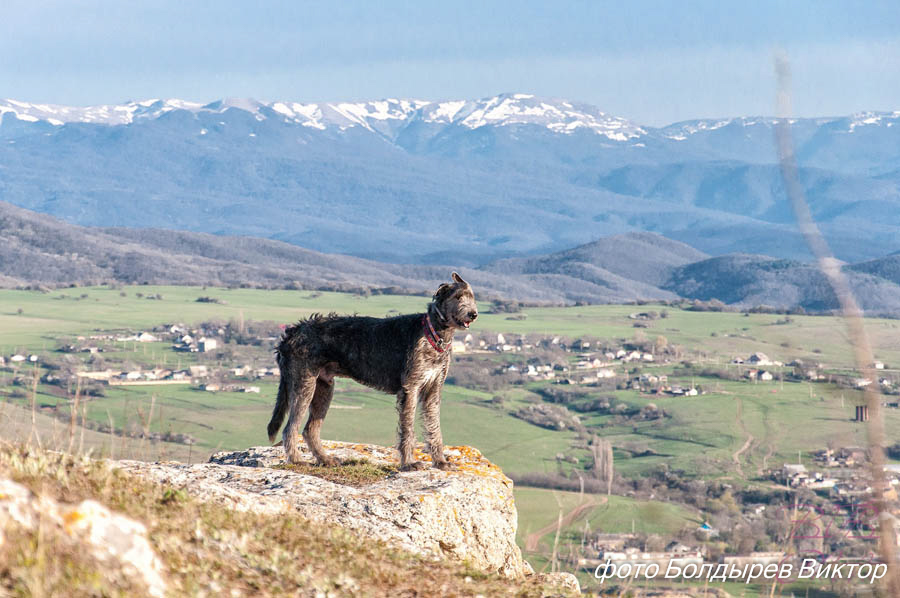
{"x": 652, "y": 62}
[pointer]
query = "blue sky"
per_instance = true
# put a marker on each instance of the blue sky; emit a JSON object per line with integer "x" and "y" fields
{"x": 653, "y": 62}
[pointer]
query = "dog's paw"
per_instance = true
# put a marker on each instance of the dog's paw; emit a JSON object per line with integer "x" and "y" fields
{"x": 414, "y": 466}
{"x": 445, "y": 466}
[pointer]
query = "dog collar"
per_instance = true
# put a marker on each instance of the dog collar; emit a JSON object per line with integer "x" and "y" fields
{"x": 436, "y": 341}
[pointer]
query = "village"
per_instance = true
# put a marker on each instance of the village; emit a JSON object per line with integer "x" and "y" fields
{"x": 236, "y": 357}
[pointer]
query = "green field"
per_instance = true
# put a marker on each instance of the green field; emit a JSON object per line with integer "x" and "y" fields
{"x": 45, "y": 316}
{"x": 616, "y": 514}
{"x": 701, "y": 434}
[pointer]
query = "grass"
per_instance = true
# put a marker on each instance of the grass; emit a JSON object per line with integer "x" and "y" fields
{"x": 235, "y": 420}
{"x": 705, "y": 431}
{"x": 207, "y": 550}
{"x": 349, "y": 473}
{"x": 539, "y": 507}
{"x": 46, "y": 316}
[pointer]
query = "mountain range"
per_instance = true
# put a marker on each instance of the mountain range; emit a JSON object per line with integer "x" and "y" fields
{"x": 458, "y": 182}
{"x": 36, "y": 249}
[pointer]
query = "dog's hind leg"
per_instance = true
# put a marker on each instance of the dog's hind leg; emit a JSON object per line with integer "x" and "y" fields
{"x": 301, "y": 393}
{"x": 317, "y": 410}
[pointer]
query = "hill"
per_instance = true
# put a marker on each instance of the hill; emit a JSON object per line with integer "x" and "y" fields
{"x": 887, "y": 267}
{"x": 38, "y": 249}
{"x": 762, "y": 280}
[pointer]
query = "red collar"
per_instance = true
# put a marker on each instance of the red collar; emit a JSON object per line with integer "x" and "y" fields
{"x": 436, "y": 341}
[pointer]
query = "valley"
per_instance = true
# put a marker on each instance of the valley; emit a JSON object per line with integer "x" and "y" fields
{"x": 699, "y": 434}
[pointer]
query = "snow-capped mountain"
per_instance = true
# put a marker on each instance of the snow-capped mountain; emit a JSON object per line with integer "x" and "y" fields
{"x": 462, "y": 180}
{"x": 559, "y": 116}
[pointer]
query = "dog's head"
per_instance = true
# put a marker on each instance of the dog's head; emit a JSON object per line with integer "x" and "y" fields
{"x": 456, "y": 302}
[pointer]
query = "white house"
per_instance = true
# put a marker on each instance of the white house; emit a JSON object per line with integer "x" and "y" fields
{"x": 759, "y": 359}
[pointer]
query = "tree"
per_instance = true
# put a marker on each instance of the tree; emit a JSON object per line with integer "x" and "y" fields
{"x": 660, "y": 345}
{"x": 602, "y": 452}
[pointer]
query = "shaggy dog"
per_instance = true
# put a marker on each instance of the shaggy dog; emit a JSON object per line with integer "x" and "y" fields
{"x": 405, "y": 355}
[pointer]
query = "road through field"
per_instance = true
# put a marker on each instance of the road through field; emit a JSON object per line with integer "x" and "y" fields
{"x": 532, "y": 539}
{"x": 736, "y": 456}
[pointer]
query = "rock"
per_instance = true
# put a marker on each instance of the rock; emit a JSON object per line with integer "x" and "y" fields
{"x": 565, "y": 582}
{"x": 468, "y": 514}
{"x": 116, "y": 541}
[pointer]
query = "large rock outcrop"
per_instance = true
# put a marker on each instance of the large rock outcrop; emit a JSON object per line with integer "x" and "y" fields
{"x": 466, "y": 515}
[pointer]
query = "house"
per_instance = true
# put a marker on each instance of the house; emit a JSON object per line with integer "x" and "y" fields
{"x": 104, "y": 375}
{"x": 878, "y": 365}
{"x": 647, "y": 357}
{"x": 199, "y": 371}
{"x": 852, "y": 455}
{"x": 861, "y": 382}
{"x": 606, "y": 373}
{"x": 134, "y": 375}
{"x": 206, "y": 344}
{"x": 794, "y": 474}
{"x": 766, "y": 376}
{"x": 759, "y": 359}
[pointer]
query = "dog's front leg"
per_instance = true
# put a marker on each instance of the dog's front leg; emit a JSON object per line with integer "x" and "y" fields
{"x": 431, "y": 414}
{"x": 406, "y": 407}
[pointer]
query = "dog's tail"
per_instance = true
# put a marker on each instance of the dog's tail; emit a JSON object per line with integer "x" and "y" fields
{"x": 281, "y": 403}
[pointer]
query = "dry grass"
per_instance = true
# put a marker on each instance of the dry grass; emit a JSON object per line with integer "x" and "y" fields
{"x": 209, "y": 550}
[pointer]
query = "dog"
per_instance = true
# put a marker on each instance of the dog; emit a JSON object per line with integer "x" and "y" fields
{"x": 407, "y": 355}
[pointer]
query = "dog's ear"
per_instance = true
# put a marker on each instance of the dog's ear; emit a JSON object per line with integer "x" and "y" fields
{"x": 442, "y": 292}
{"x": 459, "y": 279}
